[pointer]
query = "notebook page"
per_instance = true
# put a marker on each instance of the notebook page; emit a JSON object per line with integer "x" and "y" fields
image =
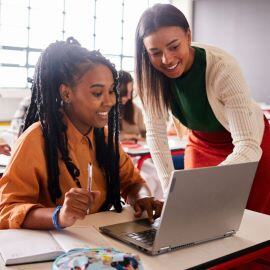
{"x": 20, "y": 246}
{"x": 80, "y": 237}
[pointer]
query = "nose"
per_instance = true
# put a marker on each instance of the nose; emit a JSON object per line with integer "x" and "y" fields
{"x": 109, "y": 100}
{"x": 167, "y": 58}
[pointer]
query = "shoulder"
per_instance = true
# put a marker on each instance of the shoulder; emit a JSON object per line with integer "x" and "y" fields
{"x": 31, "y": 136}
{"x": 222, "y": 68}
{"x": 216, "y": 55}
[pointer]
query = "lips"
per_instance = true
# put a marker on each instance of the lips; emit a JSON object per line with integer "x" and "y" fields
{"x": 170, "y": 68}
{"x": 103, "y": 115}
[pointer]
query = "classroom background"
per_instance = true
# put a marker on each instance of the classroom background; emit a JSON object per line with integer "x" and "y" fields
{"x": 28, "y": 26}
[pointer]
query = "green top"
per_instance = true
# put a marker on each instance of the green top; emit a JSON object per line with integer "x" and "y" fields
{"x": 189, "y": 99}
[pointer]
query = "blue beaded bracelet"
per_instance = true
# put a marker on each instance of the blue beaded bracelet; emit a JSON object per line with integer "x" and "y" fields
{"x": 55, "y": 217}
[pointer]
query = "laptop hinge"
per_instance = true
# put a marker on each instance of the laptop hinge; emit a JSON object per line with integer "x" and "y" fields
{"x": 165, "y": 249}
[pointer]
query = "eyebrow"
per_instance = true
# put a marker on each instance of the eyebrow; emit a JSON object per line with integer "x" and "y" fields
{"x": 171, "y": 42}
{"x": 100, "y": 85}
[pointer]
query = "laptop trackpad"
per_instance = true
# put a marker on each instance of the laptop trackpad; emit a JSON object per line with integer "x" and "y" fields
{"x": 128, "y": 227}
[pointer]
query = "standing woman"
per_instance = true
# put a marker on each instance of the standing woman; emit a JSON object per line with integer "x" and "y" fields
{"x": 45, "y": 185}
{"x": 203, "y": 87}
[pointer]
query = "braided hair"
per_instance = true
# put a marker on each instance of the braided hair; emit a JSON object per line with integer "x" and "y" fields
{"x": 65, "y": 62}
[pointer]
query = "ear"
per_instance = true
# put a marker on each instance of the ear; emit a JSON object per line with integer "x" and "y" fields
{"x": 189, "y": 36}
{"x": 65, "y": 93}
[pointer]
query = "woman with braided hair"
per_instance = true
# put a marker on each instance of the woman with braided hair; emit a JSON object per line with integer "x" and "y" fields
{"x": 74, "y": 96}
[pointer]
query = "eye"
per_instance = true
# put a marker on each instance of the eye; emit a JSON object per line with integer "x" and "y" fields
{"x": 155, "y": 53}
{"x": 97, "y": 94}
{"x": 111, "y": 92}
{"x": 173, "y": 48}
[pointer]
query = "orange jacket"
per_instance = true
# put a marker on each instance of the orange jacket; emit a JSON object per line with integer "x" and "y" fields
{"x": 24, "y": 183}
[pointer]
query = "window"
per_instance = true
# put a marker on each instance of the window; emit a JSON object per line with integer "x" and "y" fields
{"x": 28, "y": 26}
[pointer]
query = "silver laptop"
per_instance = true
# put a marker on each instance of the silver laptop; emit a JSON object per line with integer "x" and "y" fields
{"x": 202, "y": 205}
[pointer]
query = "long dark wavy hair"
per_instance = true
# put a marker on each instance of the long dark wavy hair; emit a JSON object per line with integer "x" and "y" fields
{"x": 65, "y": 63}
{"x": 126, "y": 110}
{"x": 153, "y": 86}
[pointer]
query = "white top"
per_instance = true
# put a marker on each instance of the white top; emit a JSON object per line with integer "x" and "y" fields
{"x": 232, "y": 105}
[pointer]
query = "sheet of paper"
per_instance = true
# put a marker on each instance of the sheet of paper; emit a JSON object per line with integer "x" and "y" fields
{"x": 19, "y": 244}
{"x": 80, "y": 237}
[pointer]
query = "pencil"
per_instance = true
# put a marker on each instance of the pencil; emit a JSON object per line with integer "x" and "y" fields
{"x": 89, "y": 182}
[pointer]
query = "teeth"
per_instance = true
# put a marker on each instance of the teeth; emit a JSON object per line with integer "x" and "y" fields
{"x": 103, "y": 113}
{"x": 172, "y": 67}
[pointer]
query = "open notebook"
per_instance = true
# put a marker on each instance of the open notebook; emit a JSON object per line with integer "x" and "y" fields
{"x": 25, "y": 246}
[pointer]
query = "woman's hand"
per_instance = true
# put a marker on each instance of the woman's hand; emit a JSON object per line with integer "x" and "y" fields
{"x": 76, "y": 204}
{"x": 5, "y": 149}
{"x": 150, "y": 205}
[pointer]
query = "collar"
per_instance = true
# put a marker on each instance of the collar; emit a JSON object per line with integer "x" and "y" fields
{"x": 74, "y": 136}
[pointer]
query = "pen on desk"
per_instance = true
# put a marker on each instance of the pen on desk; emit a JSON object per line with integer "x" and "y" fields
{"x": 89, "y": 181}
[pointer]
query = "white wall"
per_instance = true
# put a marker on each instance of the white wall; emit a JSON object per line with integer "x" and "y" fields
{"x": 9, "y": 101}
{"x": 10, "y": 98}
{"x": 186, "y": 7}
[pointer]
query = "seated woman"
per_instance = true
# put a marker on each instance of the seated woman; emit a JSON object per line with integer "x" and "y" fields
{"x": 131, "y": 122}
{"x": 73, "y": 98}
{"x": 132, "y": 129}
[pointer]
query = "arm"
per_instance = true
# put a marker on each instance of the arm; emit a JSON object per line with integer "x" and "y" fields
{"x": 19, "y": 186}
{"x": 157, "y": 140}
{"x": 5, "y": 149}
{"x": 75, "y": 206}
{"x": 245, "y": 119}
{"x": 24, "y": 180}
{"x": 135, "y": 190}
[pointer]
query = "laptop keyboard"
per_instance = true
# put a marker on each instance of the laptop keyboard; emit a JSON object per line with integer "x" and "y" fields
{"x": 146, "y": 237}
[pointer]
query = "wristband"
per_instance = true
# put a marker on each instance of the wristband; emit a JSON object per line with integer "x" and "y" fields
{"x": 55, "y": 217}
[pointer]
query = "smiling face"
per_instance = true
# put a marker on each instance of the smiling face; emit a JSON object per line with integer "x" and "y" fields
{"x": 89, "y": 102}
{"x": 169, "y": 50}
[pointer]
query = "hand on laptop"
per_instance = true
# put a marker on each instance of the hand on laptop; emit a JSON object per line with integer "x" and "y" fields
{"x": 150, "y": 205}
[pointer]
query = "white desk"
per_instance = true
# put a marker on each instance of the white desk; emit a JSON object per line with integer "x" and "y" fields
{"x": 3, "y": 163}
{"x": 176, "y": 145}
{"x": 142, "y": 148}
{"x": 254, "y": 233}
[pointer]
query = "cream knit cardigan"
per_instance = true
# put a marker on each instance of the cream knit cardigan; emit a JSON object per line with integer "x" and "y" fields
{"x": 232, "y": 105}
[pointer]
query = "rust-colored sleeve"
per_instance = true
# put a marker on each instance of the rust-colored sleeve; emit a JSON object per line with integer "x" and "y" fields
{"x": 20, "y": 184}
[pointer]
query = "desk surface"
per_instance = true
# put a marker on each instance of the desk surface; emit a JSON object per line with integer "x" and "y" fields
{"x": 142, "y": 148}
{"x": 3, "y": 163}
{"x": 254, "y": 232}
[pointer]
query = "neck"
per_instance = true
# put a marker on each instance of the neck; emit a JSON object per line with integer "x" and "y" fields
{"x": 191, "y": 58}
{"x": 82, "y": 128}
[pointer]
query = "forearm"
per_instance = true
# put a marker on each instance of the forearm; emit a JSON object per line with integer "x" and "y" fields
{"x": 137, "y": 192}
{"x": 157, "y": 141}
{"x": 39, "y": 218}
